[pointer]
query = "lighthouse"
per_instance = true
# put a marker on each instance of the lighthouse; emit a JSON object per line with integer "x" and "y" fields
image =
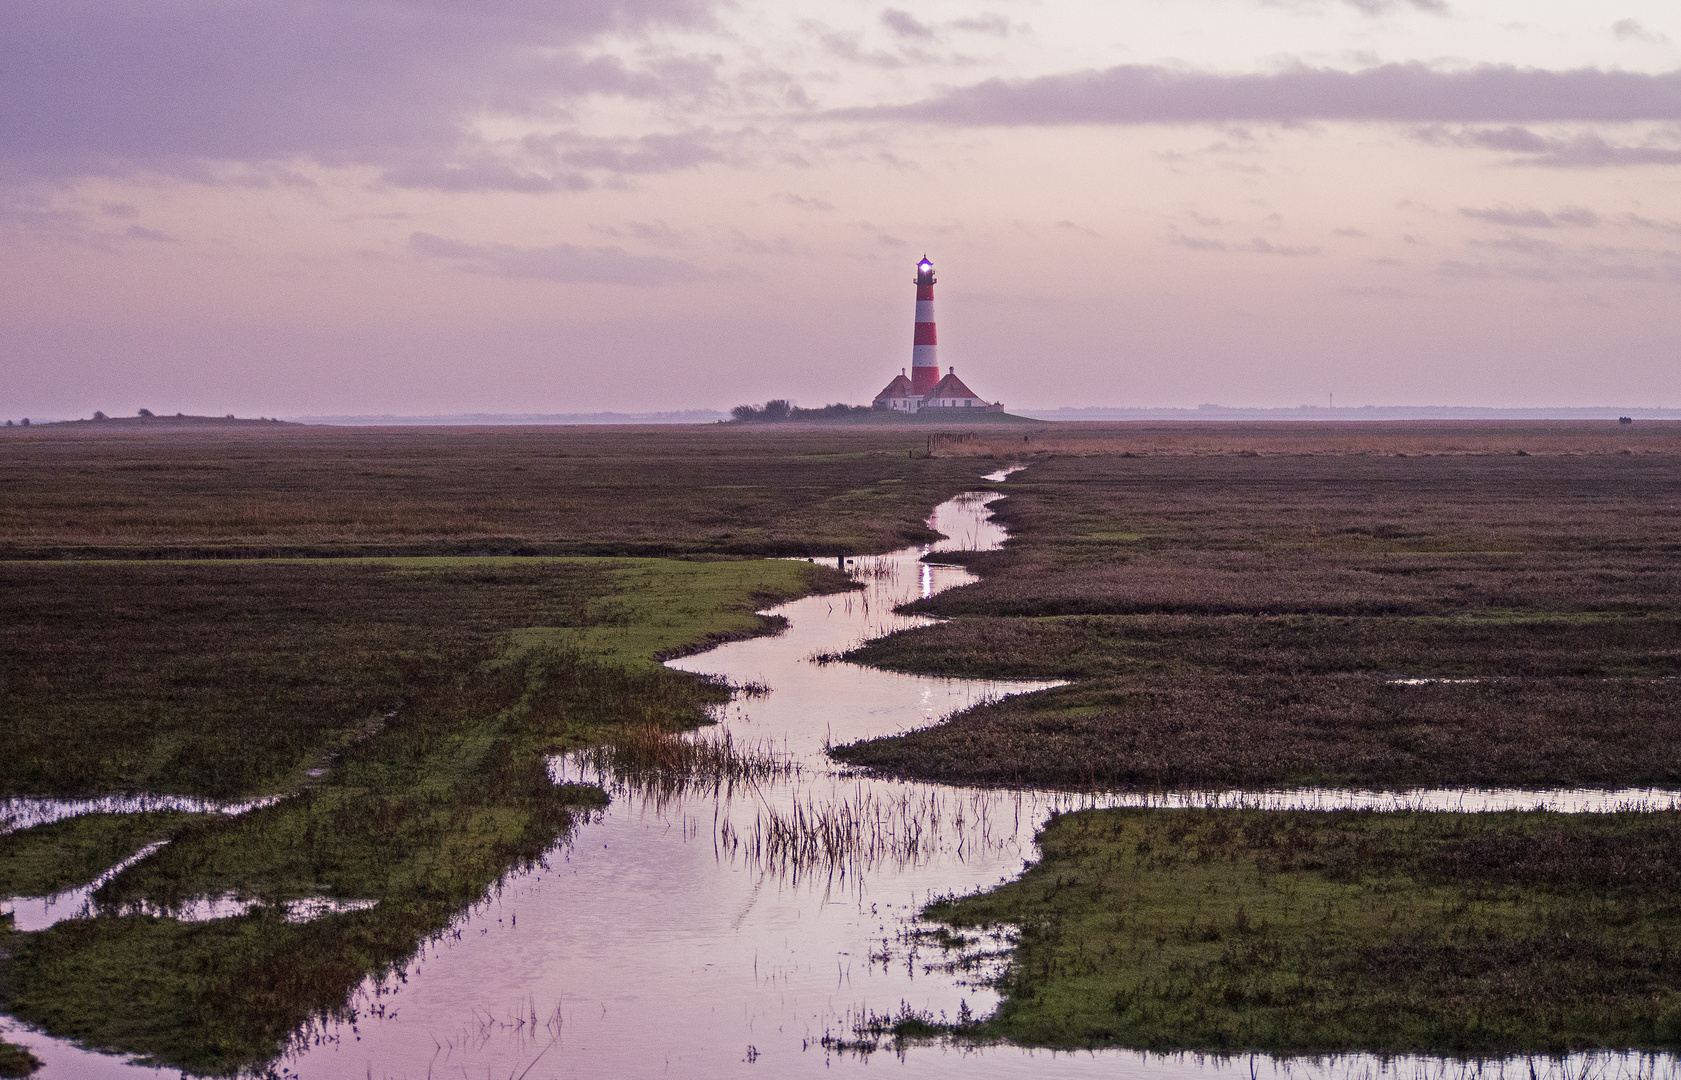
{"x": 925, "y": 388}
{"x": 925, "y": 360}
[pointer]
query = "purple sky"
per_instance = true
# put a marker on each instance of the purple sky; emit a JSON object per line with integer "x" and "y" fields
{"x": 350, "y": 206}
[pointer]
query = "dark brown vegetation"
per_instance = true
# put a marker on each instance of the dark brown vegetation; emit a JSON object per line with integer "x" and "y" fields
{"x": 227, "y": 679}
{"x": 1242, "y": 620}
{"x": 51, "y": 858}
{"x": 789, "y": 489}
{"x": 1234, "y": 930}
{"x": 16, "y": 1060}
{"x": 1314, "y": 438}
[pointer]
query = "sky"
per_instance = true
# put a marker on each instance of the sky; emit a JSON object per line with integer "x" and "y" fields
{"x": 290, "y": 207}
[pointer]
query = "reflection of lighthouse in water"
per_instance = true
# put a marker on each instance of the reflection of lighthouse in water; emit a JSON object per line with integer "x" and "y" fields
{"x": 925, "y": 389}
{"x": 925, "y": 359}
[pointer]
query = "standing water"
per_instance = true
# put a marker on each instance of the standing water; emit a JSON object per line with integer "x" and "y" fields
{"x": 722, "y": 927}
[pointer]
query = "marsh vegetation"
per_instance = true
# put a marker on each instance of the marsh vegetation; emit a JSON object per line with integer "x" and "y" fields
{"x": 1316, "y": 932}
{"x": 404, "y": 708}
{"x": 1236, "y": 607}
{"x": 1319, "y": 615}
{"x": 302, "y": 491}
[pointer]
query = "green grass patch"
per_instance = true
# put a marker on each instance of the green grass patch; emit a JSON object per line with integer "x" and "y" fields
{"x": 424, "y": 817}
{"x": 16, "y": 1060}
{"x": 430, "y": 694}
{"x": 1307, "y": 933}
{"x": 230, "y": 679}
{"x": 660, "y": 608}
{"x": 63, "y": 854}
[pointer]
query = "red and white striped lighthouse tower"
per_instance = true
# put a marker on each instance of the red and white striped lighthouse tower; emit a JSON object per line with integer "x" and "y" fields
{"x": 925, "y": 360}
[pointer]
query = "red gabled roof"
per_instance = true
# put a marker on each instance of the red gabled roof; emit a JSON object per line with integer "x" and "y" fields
{"x": 899, "y": 387}
{"x": 952, "y": 387}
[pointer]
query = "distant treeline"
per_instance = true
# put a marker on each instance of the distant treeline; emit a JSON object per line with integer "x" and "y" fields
{"x": 779, "y": 410}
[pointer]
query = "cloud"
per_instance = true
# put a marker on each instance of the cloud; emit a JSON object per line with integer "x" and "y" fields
{"x": 486, "y": 174}
{"x": 1384, "y": 7}
{"x": 805, "y": 203}
{"x": 906, "y": 25}
{"x": 1635, "y": 221}
{"x": 1266, "y": 247}
{"x": 112, "y": 86}
{"x": 987, "y": 23}
{"x": 1083, "y": 230}
{"x": 1512, "y": 217}
{"x": 566, "y": 263}
{"x": 1410, "y": 92}
{"x": 1256, "y": 246}
{"x": 1519, "y": 244}
{"x": 1632, "y": 30}
{"x": 657, "y": 153}
{"x": 1583, "y": 150}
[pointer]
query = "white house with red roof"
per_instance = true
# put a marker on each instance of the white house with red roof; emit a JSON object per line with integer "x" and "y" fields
{"x": 949, "y": 393}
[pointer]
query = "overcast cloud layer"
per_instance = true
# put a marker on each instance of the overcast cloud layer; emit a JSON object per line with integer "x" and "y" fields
{"x": 518, "y": 205}
{"x": 111, "y": 86}
{"x": 1392, "y": 92}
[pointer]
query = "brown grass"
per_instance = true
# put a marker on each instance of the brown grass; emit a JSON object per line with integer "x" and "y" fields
{"x": 1238, "y": 616}
{"x": 1336, "y": 439}
{"x": 758, "y": 490}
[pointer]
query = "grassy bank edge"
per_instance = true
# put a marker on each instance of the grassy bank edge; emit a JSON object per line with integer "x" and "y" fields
{"x": 80, "y": 979}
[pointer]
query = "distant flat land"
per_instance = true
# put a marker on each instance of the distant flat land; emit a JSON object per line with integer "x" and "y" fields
{"x": 180, "y": 422}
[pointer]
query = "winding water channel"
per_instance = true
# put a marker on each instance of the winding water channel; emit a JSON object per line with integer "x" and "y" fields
{"x": 719, "y": 929}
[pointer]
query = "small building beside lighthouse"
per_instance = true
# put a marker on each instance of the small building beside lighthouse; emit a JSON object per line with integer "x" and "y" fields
{"x": 924, "y": 388}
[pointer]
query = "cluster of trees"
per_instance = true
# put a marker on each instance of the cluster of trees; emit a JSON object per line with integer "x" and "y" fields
{"x": 778, "y": 410}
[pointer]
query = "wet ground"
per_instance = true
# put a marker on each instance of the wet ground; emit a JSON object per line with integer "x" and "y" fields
{"x": 716, "y": 928}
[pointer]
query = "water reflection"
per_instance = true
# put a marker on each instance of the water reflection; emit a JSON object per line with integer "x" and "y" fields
{"x": 27, "y": 812}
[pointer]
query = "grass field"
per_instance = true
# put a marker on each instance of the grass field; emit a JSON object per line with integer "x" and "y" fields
{"x": 1314, "y": 932}
{"x": 751, "y": 490}
{"x": 1249, "y": 620}
{"x": 427, "y": 694}
{"x": 393, "y": 629}
{"x": 404, "y": 705}
{"x": 233, "y": 678}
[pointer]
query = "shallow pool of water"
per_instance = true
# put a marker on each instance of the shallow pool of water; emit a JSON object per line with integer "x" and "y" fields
{"x": 26, "y": 812}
